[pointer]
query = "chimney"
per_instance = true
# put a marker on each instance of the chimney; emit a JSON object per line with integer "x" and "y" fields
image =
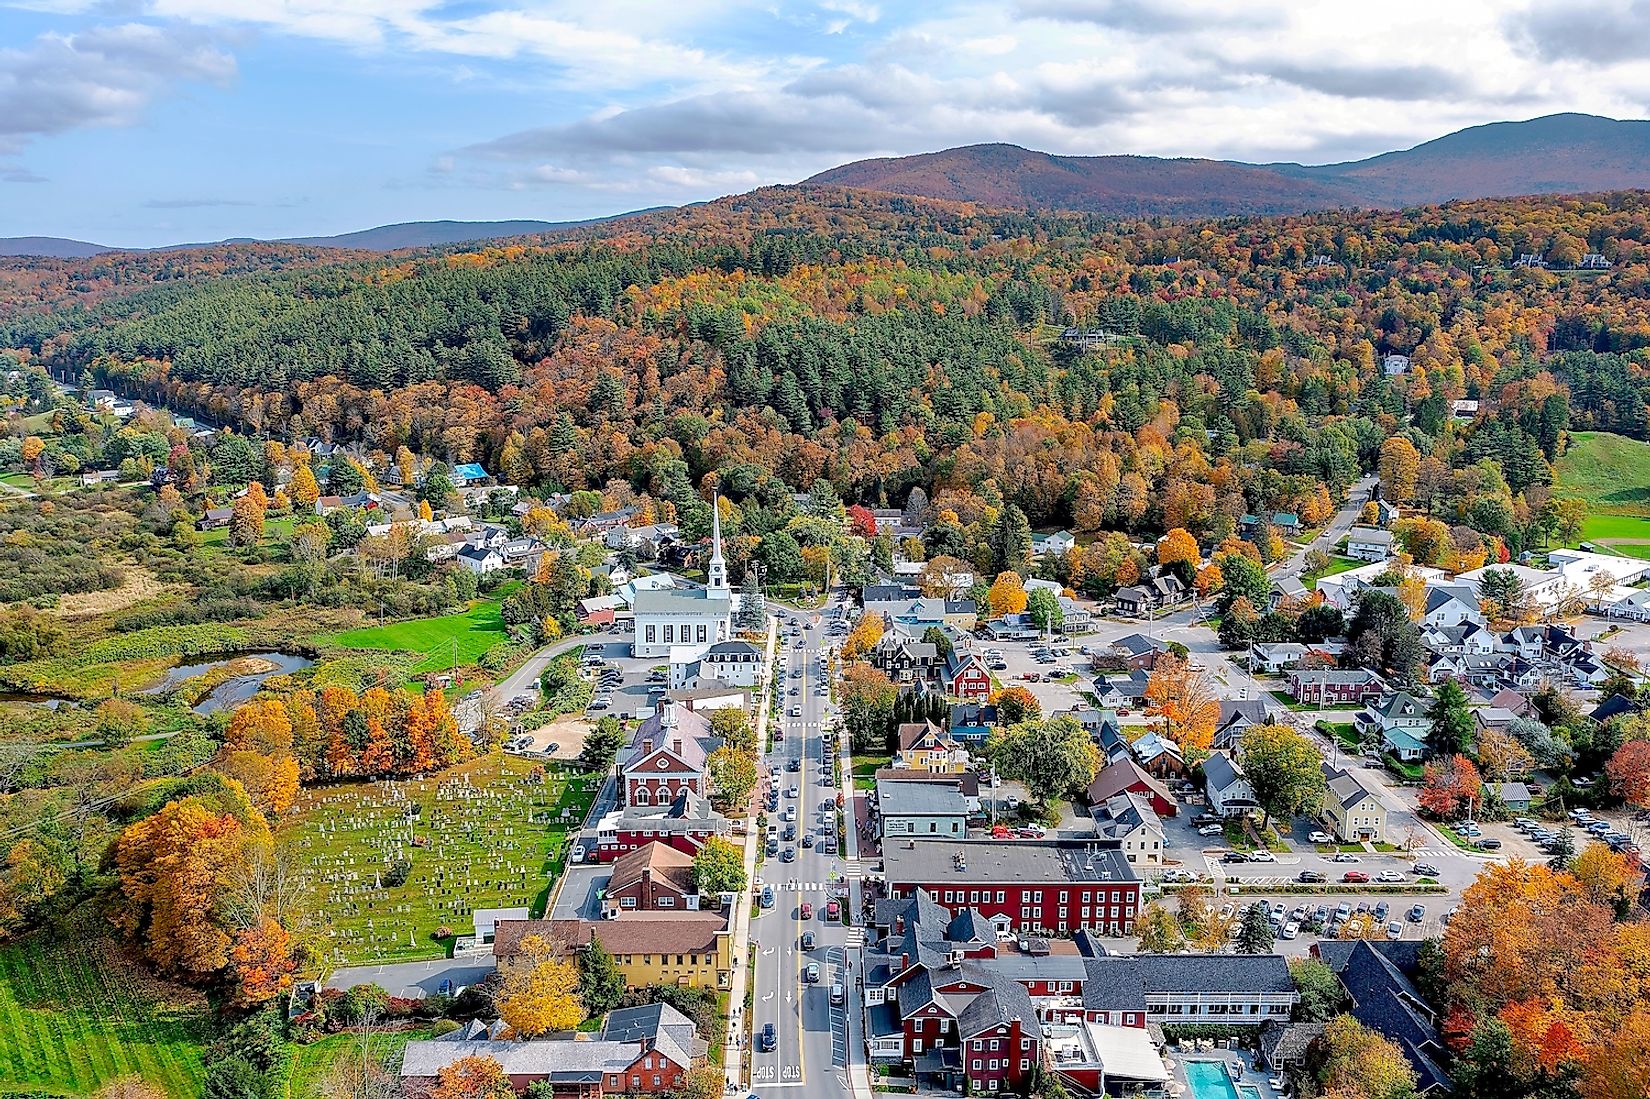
{"x": 647, "y": 745}
{"x": 676, "y": 745}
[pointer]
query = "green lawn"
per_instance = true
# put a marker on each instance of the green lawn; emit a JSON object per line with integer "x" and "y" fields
{"x": 312, "y": 1063}
{"x": 485, "y": 835}
{"x": 75, "y": 1014}
{"x": 474, "y": 631}
{"x": 1338, "y": 564}
{"x": 1612, "y": 472}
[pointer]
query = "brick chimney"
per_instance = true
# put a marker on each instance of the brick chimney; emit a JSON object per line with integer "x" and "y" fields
{"x": 676, "y": 745}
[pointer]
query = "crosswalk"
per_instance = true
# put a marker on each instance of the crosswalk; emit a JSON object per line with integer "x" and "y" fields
{"x": 856, "y": 937}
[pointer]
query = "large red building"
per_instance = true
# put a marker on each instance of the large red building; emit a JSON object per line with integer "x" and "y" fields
{"x": 1055, "y": 887}
{"x": 667, "y": 757}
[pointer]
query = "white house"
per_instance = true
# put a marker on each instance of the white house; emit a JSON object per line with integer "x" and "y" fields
{"x": 1340, "y": 589}
{"x": 1130, "y": 819}
{"x": 1394, "y": 365}
{"x": 1230, "y": 794}
{"x": 1450, "y": 605}
{"x": 1369, "y": 544}
{"x": 1353, "y": 811}
{"x": 1061, "y": 541}
{"x": 479, "y": 560}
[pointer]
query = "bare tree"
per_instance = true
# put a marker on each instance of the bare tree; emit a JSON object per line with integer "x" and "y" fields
{"x": 365, "y": 1073}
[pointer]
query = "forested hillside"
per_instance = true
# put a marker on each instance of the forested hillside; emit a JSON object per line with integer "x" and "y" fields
{"x": 887, "y": 342}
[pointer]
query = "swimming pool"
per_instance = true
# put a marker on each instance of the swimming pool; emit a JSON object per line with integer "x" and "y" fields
{"x": 1209, "y": 1080}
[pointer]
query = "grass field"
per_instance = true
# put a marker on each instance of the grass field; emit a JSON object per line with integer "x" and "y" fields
{"x": 485, "y": 835}
{"x": 1612, "y": 472}
{"x": 76, "y": 1014}
{"x": 474, "y": 632}
{"x": 312, "y": 1063}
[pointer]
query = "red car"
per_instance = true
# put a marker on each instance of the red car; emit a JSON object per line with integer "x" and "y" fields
{"x": 807, "y": 911}
{"x": 833, "y": 911}
{"x": 1354, "y": 877}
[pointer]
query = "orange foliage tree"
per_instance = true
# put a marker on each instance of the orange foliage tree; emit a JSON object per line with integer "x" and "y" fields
{"x": 1180, "y": 693}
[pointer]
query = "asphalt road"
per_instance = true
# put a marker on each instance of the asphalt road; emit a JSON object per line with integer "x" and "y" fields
{"x": 811, "y": 1047}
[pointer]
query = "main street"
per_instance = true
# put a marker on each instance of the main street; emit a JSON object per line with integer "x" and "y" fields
{"x": 810, "y": 1032}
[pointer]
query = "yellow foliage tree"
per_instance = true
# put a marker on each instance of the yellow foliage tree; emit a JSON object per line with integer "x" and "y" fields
{"x": 866, "y": 633}
{"x": 543, "y": 995}
{"x": 1007, "y": 594}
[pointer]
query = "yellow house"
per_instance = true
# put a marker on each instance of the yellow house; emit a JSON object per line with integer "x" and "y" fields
{"x": 1352, "y": 810}
{"x": 924, "y": 746}
{"x": 651, "y": 948}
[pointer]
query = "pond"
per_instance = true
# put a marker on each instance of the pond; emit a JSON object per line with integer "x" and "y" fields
{"x": 237, "y": 688}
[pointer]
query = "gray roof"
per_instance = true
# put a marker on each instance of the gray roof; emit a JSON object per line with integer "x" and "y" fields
{"x": 681, "y": 601}
{"x": 1385, "y": 1001}
{"x": 1369, "y": 535}
{"x": 1252, "y": 973}
{"x": 1221, "y": 773}
{"x": 670, "y": 1032}
{"x": 921, "y": 799}
{"x": 1006, "y": 1001}
{"x": 928, "y": 861}
{"x": 1345, "y": 788}
{"x": 1331, "y": 676}
{"x": 553, "y": 1059}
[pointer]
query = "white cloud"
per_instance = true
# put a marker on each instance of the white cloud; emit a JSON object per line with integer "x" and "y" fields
{"x": 103, "y": 76}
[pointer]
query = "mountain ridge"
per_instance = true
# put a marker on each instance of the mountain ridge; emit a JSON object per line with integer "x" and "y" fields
{"x": 379, "y": 238}
{"x": 1553, "y": 154}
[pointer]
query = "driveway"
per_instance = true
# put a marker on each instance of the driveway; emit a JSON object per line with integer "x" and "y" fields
{"x": 414, "y": 980}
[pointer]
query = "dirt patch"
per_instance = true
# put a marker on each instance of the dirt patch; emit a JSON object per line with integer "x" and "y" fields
{"x": 562, "y": 739}
{"x": 140, "y": 584}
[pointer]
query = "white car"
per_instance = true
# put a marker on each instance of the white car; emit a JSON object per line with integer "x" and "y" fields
{"x": 1291, "y": 929}
{"x": 1210, "y": 830}
{"x": 1262, "y": 856}
{"x": 1389, "y": 876}
{"x": 1321, "y": 837}
{"x": 1227, "y": 911}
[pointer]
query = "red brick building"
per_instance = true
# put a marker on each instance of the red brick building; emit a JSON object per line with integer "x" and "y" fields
{"x": 1051, "y": 886}
{"x": 685, "y": 824}
{"x": 667, "y": 757}
{"x": 655, "y": 878}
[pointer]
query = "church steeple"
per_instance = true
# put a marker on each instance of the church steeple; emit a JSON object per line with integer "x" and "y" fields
{"x": 716, "y": 572}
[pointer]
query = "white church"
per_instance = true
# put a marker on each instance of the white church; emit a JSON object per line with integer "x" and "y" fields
{"x": 670, "y": 618}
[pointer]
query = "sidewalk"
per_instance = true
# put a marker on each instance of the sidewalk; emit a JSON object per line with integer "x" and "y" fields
{"x": 734, "y": 1049}
{"x": 859, "y": 1077}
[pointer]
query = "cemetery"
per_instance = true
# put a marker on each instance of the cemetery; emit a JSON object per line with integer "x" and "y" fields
{"x": 399, "y": 865}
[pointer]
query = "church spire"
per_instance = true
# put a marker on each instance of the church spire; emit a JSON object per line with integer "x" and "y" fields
{"x": 716, "y": 573}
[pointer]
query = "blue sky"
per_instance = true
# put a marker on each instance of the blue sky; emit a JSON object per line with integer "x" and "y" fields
{"x": 142, "y": 122}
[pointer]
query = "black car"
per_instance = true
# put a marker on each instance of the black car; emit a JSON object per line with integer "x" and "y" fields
{"x": 1234, "y": 856}
{"x": 788, "y": 855}
{"x": 1312, "y": 877}
{"x": 768, "y": 1040}
{"x": 1426, "y": 869}
{"x": 808, "y": 840}
{"x": 808, "y": 940}
{"x": 793, "y": 765}
{"x": 1488, "y": 843}
{"x": 790, "y": 832}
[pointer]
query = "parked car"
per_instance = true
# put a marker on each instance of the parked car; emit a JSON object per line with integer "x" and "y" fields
{"x": 1211, "y": 830}
{"x": 1488, "y": 843}
{"x": 767, "y": 896}
{"x": 1426, "y": 870}
{"x": 1389, "y": 876}
{"x": 1262, "y": 856}
{"x": 1234, "y": 856}
{"x": 1354, "y": 877}
{"x": 1321, "y": 837}
{"x": 1394, "y": 930}
{"x": 1311, "y": 877}
{"x": 1344, "y": 856}
{"x": 1291, "y": 929}
{"x": 1417, "y": 913}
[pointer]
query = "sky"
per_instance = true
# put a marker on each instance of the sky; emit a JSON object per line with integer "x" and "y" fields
{"x": 146, "y": 122}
